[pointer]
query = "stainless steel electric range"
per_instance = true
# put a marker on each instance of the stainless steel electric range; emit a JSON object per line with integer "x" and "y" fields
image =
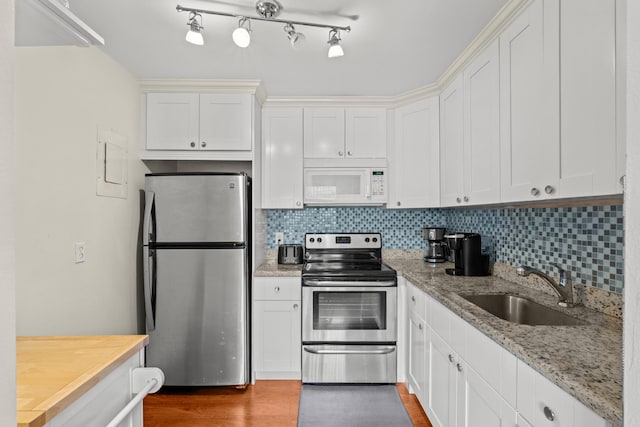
{"x": 349, "y": 310}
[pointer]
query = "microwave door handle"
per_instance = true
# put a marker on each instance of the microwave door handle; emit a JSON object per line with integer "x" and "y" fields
{"x": 367, "y": 189}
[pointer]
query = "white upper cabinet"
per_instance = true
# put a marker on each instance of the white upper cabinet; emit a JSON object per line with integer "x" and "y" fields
{"x": 588, "y": 154}
{"x": 529, "y": 104}
{"x": 470, "y": 134}
{"x": 415, "y": 163}
{"x": 204, "y": 122}
{"x": 339, "y": 133}
{"x": 282, "y": 158}
{"x": 481, "y": 141}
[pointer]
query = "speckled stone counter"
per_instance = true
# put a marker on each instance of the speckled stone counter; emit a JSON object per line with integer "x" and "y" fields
{"x": 585, "y": 361}
{"x": 272, "y": 269}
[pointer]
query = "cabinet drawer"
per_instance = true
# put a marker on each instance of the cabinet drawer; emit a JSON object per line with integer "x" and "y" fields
{"x": 439, "y": 316}
{"x": 416, "y": 301}
{"x": 277, "y": 288}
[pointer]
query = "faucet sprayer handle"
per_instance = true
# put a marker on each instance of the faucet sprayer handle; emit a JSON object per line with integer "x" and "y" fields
{"x": 564, "y": 274}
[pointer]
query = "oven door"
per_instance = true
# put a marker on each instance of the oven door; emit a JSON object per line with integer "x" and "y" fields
{"x": 366, "y": 313}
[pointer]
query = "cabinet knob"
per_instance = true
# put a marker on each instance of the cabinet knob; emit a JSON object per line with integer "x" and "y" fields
{"x": 450, "y": 358}
{"x": 295, "y": 306}
{"x": 535, "y": 191}
{"x": 459, "y": 366}
{"x": 420, "y": 326}
{"x": 277, "y": 289}
{"x": 413, "y": 299}
{"x": 465, "y": 198}
{"x": 549, "y": 189}
{"x": 622, "y": 180}
{"x": 203, "y": 144}
{"x": 549, "y": 414}
{"x": 458, "y": 200}
{"x": 192, "y": 144}
{"x": 398, "y": 203}
{"x": 298, "y": 203}
{"x": 349, "y": 153}
{"x": 340, "y": 153}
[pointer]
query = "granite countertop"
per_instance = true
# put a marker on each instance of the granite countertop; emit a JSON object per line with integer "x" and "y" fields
{"x": 53, "y": 372}
{"x": 585, "y": 361}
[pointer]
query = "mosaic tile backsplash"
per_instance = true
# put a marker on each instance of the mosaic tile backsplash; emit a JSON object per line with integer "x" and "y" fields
{"x": 587, "y": 240}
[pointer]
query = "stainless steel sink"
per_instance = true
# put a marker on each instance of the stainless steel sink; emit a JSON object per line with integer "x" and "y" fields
{"x": 522, "y": 310}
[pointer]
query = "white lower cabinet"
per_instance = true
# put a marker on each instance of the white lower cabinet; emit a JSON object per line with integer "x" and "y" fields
{"x": 470, "y": 380}
{"x": 276, "y": 328}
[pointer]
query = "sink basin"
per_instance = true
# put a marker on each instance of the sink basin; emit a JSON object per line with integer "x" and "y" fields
{"x": 522, "y": 310}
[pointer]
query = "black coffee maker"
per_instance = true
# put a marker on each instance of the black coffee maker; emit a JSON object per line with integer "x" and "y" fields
{"x": 467, "y": 254}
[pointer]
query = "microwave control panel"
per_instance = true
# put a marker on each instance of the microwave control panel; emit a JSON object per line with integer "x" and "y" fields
{"x": 378, "y": 183}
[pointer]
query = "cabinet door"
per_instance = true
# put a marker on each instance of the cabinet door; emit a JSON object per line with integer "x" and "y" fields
{"x": 529, "y": 103}
{"x": 481, "y": 163}
{"x": 451, "y": 133}
{"x": 282, "y": 158}
{"x": 588, "y": 98}
{"x": 324, "y": 133}
{"x": 172, "y": 121}
{"x": 441, "y": 407}
{"x": 418, "y": 356}
{"x": 226, "y": 121}
{"x": 277, "y": 337}
{"x": 416, "y": 162}
{"x": 480, "y": 405}
{"x": 366, "y": 133}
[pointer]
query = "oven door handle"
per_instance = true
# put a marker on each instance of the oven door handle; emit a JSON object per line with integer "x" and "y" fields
{"x": 336, "y": 283}
{"x": 375, "y": 350}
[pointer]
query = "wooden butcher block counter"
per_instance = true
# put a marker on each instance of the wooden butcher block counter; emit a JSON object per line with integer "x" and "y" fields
{"x": 54, "y": 372}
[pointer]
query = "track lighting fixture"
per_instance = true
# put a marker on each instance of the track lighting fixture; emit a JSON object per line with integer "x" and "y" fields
{"x": 194, "y": 35}
{"x": 268, "y": 10}
{"x": 242, "y": 35}
{"x": 335, "y": 50}
{"x": 295, "y": 38}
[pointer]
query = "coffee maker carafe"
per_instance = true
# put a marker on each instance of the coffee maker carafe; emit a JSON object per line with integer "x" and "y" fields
{"x": 437, "y": 249}
{"x": 467, "y": 254}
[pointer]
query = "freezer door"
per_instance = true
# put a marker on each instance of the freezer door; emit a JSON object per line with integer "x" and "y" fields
{"x": 201, "y": 317}
{"x": 199, "y": 208}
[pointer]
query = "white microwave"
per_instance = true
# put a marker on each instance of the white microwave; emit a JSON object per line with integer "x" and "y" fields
{"x": 345, "y": 186}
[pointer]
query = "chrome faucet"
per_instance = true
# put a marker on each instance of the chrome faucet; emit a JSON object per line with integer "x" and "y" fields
{"x": 564, "y": 289}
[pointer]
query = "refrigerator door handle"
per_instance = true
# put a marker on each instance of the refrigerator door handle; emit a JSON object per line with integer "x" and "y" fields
{"x": 149, "y": 286}
{"x": 149, "y": 200}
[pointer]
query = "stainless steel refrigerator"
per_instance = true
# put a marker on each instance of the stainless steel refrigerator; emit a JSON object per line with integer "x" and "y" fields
{"x": 196, "y": 258}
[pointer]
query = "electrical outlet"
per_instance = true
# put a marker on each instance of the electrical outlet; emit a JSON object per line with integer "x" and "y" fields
{"x": 279, "y": 237}
{"x": 81, "y": 255}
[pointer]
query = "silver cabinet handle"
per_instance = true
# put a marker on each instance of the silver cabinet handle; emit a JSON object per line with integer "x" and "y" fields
{"x": 549, "y": 414}
{"x": 535, "y": 191}
{"x": 459, "y": 366}
{"x": 349, "y": 153}
{"x": 277, "y": 289}
{"x": 192, "y": 144}
{"x": 622, "y": 180}
{"x": 340, "y": 153}
{"x": 451, "y": 358}
{"x": 465, "y": 198}
{"x": 458, "y": 199}
{"x": 549, "y": 189}
{"x": 295, "y": 306}
{"x": 413, "y": 299}
{"x": 203, "y": 144}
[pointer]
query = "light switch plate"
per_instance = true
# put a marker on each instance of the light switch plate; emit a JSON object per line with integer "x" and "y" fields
{"x": 279, "y": 237}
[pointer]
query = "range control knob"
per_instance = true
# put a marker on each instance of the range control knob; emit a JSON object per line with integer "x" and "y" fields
{"x": 319, "y": 239}
{"x": 366, "y": 239}
{"x": 375, "y": 239}
{"x": 311, "y": 239}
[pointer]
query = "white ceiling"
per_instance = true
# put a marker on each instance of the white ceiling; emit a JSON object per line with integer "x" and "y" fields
{"x": 394, "y": 46}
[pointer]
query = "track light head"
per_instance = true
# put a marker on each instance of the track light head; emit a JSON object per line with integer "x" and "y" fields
{"x": 242, "y": 35}
{"x": 335, "y": 50}
{"x": 194, "y": 35}
{"x": 296, "y": 39}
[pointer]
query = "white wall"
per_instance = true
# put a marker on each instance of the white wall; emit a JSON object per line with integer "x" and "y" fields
{"x": 7, "y": 219}
{"x": 62, "y": 95}
{"x": 632, "y": 223}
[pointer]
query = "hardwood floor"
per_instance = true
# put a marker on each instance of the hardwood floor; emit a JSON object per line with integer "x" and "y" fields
{"x": 267, "y": 403}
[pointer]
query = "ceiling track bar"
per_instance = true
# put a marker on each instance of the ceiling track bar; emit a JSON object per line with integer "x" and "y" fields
{"x": 259, "y": 18}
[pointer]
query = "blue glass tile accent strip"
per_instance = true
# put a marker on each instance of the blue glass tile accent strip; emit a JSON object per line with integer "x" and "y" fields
{"x": 588, "y": 240}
